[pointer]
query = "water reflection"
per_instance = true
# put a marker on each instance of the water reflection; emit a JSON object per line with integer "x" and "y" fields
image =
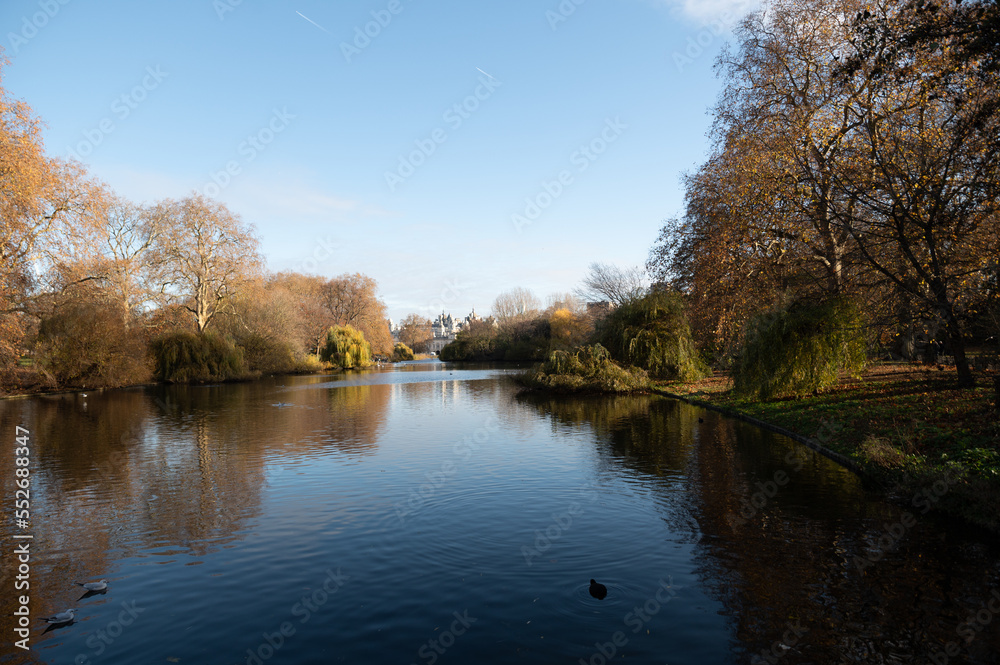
{"x": 789, "y": 542}
{"x": 220, "y": 506}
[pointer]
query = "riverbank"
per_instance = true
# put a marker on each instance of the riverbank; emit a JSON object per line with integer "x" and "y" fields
{"x": 907, "y": 427}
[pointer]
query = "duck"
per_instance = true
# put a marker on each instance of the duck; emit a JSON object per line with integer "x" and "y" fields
{"x": 62, "y": 617}
{"x": 93, "y": 586}
{"x": 598, "y": 590}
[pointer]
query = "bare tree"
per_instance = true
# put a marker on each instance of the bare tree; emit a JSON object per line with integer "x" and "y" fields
{"x": 606, "y": 281}
{"x": 514, "y": 306}
{"x": 207, "y": 254}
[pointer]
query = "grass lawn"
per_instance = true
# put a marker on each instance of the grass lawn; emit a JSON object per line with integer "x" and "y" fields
{"x": 907, "y": 426}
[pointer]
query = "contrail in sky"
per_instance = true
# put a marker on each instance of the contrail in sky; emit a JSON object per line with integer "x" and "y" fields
{"x": 314, "y": 23}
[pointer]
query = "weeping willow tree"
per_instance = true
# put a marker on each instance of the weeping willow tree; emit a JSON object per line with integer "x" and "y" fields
{"x": 653, "y": 333}
{"x": 799, "y": 348}
{"x": 587, "y": 369}
{"x": 185, "y": 357}
{"x": 401, "y": 352}
{"x": 346, "y": 347}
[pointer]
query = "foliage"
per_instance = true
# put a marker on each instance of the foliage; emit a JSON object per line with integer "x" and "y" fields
{"x": 800, "y": 348}
{"x": 207, "y": 253}
{"x": 346, "y": 348}
{"x": 569, "y": 329}
{"x": 85, "y": 344}
{"x": 184, "y": 357}
{"x": 652, "y": 333}
{"x": 402, "y": 352}
{"x": 479, "y": 341}
{"x": 415, "y": 331}
{"x": 587, "y": 369}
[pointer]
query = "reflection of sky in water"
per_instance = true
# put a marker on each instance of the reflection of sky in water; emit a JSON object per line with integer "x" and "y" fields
{"x": 439, "y": 490}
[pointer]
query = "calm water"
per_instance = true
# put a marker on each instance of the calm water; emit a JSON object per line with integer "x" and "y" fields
{"x": 428, "y": 514}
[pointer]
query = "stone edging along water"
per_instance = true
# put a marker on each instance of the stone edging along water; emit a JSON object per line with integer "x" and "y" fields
{"x": 804, "y": 440}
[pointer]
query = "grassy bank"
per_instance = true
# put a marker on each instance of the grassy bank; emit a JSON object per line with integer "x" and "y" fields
{"x": 908, "y": 427}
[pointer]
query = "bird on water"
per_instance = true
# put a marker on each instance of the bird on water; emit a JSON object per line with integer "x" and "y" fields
{"x": 93, "y": 586}
{"x": 62, "y": 617}
{"x": 598, "y": 590}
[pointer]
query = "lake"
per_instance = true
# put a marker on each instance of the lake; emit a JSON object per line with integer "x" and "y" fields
{"x": 429, "y": 513}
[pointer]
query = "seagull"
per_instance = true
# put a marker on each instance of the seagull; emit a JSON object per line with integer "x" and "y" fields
{"x": 597, "y": 590}
{"x": 63, "y": 617}
{"x": 83, "y": 394}
{"x": 94, "y": 586}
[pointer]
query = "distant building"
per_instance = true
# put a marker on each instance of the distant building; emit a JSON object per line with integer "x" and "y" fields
{"x": 600, "y": 309}
{"x": 446, "y": 327}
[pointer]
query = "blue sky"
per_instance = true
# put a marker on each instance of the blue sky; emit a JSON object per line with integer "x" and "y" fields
{"x": 456, "y": 150}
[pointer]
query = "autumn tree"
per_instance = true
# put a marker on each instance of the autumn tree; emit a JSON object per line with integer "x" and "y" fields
{"x": 926, "y": 175}
{"x": 415, "y": 331}
{"x": 208, "y": 254}
{"x": 352, "y": 300}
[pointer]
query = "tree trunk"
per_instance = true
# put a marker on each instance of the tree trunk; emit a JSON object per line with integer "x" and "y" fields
{"x": 957, "y": 341}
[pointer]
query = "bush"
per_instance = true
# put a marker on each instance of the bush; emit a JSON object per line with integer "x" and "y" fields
{"x": 87, "y": 345}
{"x": 263, "y": 354}
{"x": 401, "y": 352}
{"x": 184, "y": 357}
{"x": 346, "y": 348}
{"x": 800, "y": 348}
{"x": 588, "y": 369}
{"x": 653, "y": 333}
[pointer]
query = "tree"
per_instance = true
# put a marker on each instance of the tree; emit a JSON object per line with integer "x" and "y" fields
{"x": 415, "y": 331}
{"x": 401, "y": 352}
{"x": 208, "y": 253}
{"x": 605, "y": 281}
{"x": 926, "y": 175}
{"x": 346, "y": 348}
{"x": 515, "y": 306}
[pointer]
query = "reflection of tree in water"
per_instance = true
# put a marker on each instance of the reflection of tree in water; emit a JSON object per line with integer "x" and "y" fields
{"x": 356, "y": 417}
{"x": 794, "y": 558}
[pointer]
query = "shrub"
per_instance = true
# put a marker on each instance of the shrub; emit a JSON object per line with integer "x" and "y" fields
{"x": 87, "y": 345}
{"x": 800, "y": 348}
{"x": 263, "y": 354}
{"x": 653, "y": 333}
{"x": 346, "y": 348}
{"x": 401, "y": 352}
{"x": 588, "y": 369}
{"x": 184, "y": 357}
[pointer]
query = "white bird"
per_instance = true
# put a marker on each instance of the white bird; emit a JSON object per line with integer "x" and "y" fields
{"x": 63, "y": 617}
{"x": 83, "y": 394}
{"x": 94, "y": 586}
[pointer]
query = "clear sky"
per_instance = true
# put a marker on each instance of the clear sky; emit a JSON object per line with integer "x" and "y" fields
{"x": 450, "y": 150}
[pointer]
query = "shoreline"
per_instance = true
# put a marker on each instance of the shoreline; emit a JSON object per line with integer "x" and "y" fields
{"x": 900, "y": 428}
